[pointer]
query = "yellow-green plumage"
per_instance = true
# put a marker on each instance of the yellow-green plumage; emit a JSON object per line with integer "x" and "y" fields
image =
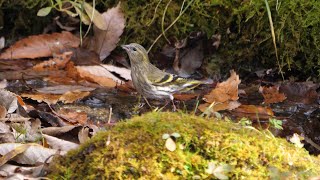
{"x": 150, "y": 81}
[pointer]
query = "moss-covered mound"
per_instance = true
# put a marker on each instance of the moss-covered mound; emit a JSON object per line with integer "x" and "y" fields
{"x": 205, "y": 149}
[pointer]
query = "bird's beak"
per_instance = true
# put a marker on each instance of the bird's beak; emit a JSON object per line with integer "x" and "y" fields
{"x": 125, "y": 47}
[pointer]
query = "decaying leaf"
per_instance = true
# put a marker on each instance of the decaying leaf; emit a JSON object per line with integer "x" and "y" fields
{"x": 53, "y": 131}
{"x": 21, "y": 172}
{"x": 67, "y": 97}
{"x": 225, "y": 91}
{"x": 189, "y": 54}
{"x": 14, "y": 152}
{"x": 224, "y": 96}
{"x": 83, "y": 135}
{"x": 98, "y": 75}
{"x": 32, "y": 155}
{"x": 60, "y": 144}
{"x": 8, "y": 100}
{"x": 105, "y": 40}
{"x": 3, "y": 111}
{"x": 59, "y": 61}
{"x": 229, "y": 105}
{"x": 43, "y": 45}
{"x": 73, "y": 116}
{"x": 272, "y": 94}
{"x": 62, "y": 89}
{"x": 301, "y": 92}
{"x": 254, "y": 110}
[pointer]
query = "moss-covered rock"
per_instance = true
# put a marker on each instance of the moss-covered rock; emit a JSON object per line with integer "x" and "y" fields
{"x": 136, "y": 149}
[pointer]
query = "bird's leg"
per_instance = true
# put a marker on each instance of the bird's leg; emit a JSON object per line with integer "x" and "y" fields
{"x": 147, "y": 102}
{"x": 174, "y": 106}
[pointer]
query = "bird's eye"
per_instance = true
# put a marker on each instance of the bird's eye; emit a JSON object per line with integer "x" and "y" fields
{"x": 134, "y": 49}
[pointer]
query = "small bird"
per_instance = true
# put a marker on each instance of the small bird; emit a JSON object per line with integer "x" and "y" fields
{"x": 150, "y": 81}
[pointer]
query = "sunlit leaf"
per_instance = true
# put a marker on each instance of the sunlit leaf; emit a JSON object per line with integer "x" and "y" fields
{"x": 44, "y": 11}
{"x": 59, "y": 4}
{"x": 84, "y": 18}
{"x": 97, "y": 18}
{"x": 70, "y": 13}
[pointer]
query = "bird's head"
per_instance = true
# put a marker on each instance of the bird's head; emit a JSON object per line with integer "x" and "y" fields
{"x": 136, "y": 52}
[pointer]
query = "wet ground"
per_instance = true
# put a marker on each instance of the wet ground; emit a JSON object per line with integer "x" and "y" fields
{"x": 108, "y": 106}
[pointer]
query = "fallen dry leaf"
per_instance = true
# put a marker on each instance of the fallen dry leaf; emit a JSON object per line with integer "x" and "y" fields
{"x": 271, "y": 94}
{"x": 67, "y": 97}
{"x": 43, "y": 45}
{"x": 21, "y": 172}
{"x": 225, "y": 91}
{"x": 58, "y": 61}
{"x": 184, "y": 97}
{"x": 3, "y": 111}
{"x": 229, "y": 105}
{"x": 123, "y": 72}
{"x": 73, "y": 116}
{"x": 189, "y": 54}
{"x": 34, "y": 154}
{"x": 256, "y": 110}
{"x": 83, "y": 135}
{"x": 14, "y": 152}
{"x": 224, "y": 96}
{"x": 60, "y": 144}
{"x": 53, "y": 131}
{"x": 98, "y": 75}
{"x": 62, "y": 89}
{"x": 301, "y": 92}
{"x": 104, "y": 41}
{"x": 8, "y": 100}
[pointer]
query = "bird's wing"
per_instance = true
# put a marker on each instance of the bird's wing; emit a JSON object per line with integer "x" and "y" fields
{"x": 176, "y": 83}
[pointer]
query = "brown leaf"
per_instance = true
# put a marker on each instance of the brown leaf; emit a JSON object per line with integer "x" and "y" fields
{"x": 3, "y": 111}
{"x": 229, "y": 105}
{"x": 41, "y": 46}
{"x": 67, "y": 97}
{"x": 184, "y": 97}
{"x": 256, "y": 110}
{"x": 104, "y": 41}
{"x": 272, "y": 94}
{"x": 98, "y": 75}
{"x": 302, "y": 92}
{"x": 57, "y": 62}
{"x": 73, "y": 116}
{"x": 225, "y": 91}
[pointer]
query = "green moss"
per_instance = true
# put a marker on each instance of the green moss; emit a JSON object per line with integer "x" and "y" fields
{"x": 137, "y": 150}
{"x": 246, "y": 42}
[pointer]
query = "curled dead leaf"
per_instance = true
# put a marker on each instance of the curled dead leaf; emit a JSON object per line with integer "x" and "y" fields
{"x": 43, "y": 45}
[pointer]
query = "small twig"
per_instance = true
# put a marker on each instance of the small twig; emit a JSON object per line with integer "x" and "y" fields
{"x": 162, "y": 21}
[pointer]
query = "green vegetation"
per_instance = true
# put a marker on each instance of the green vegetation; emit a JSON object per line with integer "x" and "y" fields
{"x": 205, "y": 148}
